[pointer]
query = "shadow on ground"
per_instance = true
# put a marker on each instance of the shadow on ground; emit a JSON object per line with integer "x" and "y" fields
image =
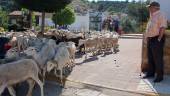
{"x": 89, "y": 59}
{"x": 50, "y": 89}
{"x": 52, "y": 86}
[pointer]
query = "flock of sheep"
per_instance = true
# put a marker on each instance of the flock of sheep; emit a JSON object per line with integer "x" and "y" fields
{"x": 32, "y": 55}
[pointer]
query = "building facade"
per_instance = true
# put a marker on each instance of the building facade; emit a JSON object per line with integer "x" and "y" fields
{"x": 81, "y": 23}
{"x": 96, "y": 19}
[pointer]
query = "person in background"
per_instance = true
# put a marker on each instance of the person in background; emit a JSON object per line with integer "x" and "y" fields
{"x": 154, "y": 37}
{"x": 116, "y": 25}
{"x": 110, "y": 24}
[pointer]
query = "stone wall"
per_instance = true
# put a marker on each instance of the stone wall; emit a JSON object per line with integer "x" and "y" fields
{"x": 166, "y": 55}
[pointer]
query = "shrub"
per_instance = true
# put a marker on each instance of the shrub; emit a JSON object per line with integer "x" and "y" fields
{"x": 2, "y": 30}
{"x": 128, "y": 25}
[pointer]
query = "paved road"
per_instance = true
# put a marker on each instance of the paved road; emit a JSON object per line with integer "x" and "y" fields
{"x": 118, "y": 71}
{"x": 107, "y": 75}
{"x": 115, "y": 71}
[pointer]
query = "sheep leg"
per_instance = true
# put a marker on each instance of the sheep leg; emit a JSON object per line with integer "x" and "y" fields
{"x": 31, "y": 86}
{"x": 93, "y": 52}
{"x": 61, "y": 76}
{"x": 65, "y": 70}
{"x": 70, "y": 64}
{"x": 40, "y": 84}
{"x": 18, "y": 49}
{"x": 55, "y": 72}
{"x": 11, "y": 91}
{"x": 71, "y": 60}
{"x": 44, "y": 71}
{"x": 85, "y": 51}
{"x": 85, "y": 55}
{"x": 74, "y": 58}
{"x": 2, "y": 88}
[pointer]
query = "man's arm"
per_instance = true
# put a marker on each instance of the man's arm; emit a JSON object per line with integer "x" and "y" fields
{"x": 163, "y": 26}
{"x": 161, "y": 33}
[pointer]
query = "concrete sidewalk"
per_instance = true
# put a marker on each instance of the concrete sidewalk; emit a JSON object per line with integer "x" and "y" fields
{"x": 79, "y": 89}
{"x": 118, "y": 71}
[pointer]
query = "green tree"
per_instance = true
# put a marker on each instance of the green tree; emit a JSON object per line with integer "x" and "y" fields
{"x": 33, "y": 19}
{"x": 3, "y": 19}
{"x": 43, "y": 6}
{"x": 65, "y": 16}
{"x": 8, "y": 5}
{"x": 138, "y": 11}
{"x": 128, "y": 24}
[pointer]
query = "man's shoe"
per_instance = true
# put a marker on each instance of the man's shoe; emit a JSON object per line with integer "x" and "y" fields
{"x": 148, "y": 76}
{"x": 157, "y": 80}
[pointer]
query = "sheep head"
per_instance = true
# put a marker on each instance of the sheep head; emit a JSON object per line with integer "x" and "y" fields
{"x": 81, "y": 42}
{"x": 50, "y": 65}
{"x": 31, "y": 51}
{"x": 61, "y": 44}
{"x": 11, "y": 53}
{"x": 52, "y": 43}
{"x": 44, "y": 40}
{"x": 70, "y": 43}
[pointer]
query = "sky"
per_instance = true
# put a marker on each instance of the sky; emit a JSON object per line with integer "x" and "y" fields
{"x": 119, "y": 0}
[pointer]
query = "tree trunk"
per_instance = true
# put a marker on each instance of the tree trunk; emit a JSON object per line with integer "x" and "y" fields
{"x": 30, "y": 18}
{"x": 55, "y": 25}
{"x": 43, "y": 22}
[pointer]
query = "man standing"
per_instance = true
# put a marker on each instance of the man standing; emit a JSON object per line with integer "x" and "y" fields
{"x": 155, "y": 42}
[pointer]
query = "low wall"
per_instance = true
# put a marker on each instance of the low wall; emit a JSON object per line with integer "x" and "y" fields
{"x": 166, "y": 55}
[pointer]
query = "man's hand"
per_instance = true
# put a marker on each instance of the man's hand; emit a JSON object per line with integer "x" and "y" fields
{"x": 145, "y": 40}
{"x": 161, "y": 33}
{"x": 159, "y": 39}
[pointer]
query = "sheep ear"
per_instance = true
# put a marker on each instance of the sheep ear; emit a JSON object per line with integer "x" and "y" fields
{"x": 51, "y": 64}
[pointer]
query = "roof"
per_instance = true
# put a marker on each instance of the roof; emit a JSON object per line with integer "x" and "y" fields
{"x": 19, "y": 13}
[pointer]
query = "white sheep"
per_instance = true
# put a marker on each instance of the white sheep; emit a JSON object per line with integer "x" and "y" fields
{"x": 46, "y": 53}
{"x": 22, "y": 43}
{"x": 90, "y": 45}
{"x": 61, "y": 60}
{"x": 71, "y": 47}
{"x": 72, "y": 50}
{"x": 19, "y": 71}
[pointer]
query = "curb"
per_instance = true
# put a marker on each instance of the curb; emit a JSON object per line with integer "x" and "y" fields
{"x": 131, "y": 37}
{"x": 118, "y": 89}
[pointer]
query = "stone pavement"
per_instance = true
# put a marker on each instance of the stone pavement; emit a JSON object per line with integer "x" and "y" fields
{"x": 118, "y": 71}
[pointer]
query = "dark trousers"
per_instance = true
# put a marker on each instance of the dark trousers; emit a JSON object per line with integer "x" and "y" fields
{"x": 155, "y": 56}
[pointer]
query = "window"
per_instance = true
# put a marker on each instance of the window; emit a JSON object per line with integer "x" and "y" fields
{"x": 13, "y": 21}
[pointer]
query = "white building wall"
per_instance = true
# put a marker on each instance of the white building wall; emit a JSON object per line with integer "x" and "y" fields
{"x": 81, "y": 23}
{"x": 48, "y": 20}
